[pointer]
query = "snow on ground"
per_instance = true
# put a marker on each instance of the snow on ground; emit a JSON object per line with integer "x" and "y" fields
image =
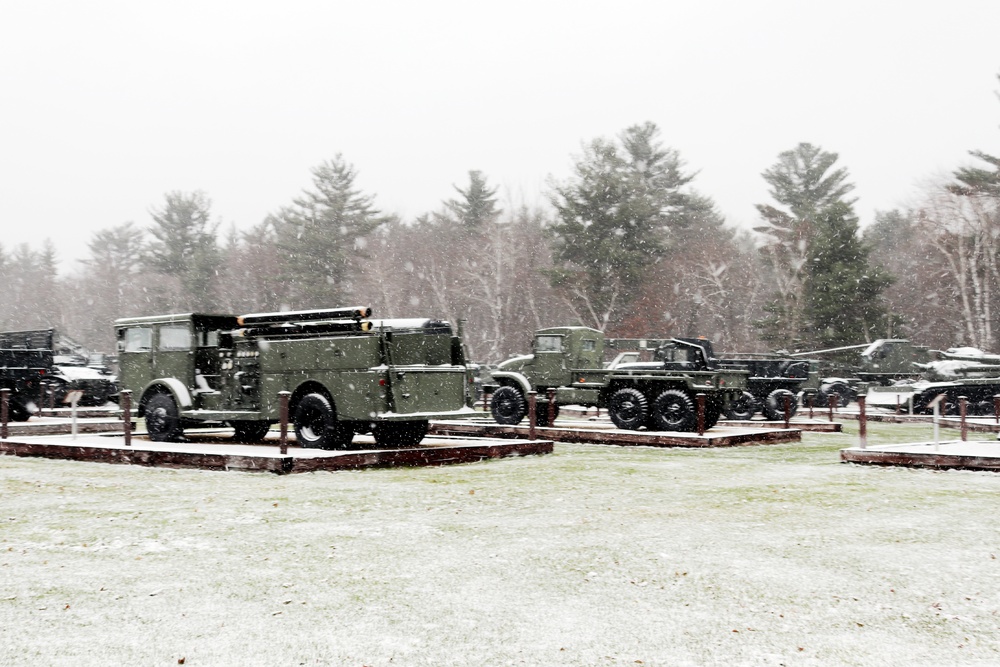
{"x": 773, "y": 555}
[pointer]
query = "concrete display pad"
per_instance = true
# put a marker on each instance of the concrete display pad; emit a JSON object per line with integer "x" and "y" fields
{"x": 606, "y": 433}
{"x": 944, "y": 455}
{"x": 211, "y": 452}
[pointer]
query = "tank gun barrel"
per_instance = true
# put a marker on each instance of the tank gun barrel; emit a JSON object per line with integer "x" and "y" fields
{"x": 832, "y": 349}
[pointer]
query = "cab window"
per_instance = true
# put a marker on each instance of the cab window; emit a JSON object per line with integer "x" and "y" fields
{"x": 588, "y": 345}
{"x": 175, "y": 338}
{"x": 207, "y": 338}
{"x": 548, "y": 344}
{"x": 138, "y": 339}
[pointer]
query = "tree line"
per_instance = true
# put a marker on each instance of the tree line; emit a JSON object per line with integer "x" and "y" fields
{"x": 627, "y": 245}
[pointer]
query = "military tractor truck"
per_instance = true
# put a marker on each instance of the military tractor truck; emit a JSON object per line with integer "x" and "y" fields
{"x": 657, "y": 395}
{"x": 346, "y": 374}
{"x": 772, "y": 378}
{"x": 25, "y": 362}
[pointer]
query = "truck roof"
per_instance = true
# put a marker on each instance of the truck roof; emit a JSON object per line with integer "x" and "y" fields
{"x": 212, "y": 319}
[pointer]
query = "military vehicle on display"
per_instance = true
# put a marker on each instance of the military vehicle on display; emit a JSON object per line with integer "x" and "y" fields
{"x": 25, "y": 362}
{"x": 775, "y": 380}
{"x": 880, "y": 363}
{"x": 955, "y": 373}
{"x": 346, "y": 374}
{"x": 661, "y": 395}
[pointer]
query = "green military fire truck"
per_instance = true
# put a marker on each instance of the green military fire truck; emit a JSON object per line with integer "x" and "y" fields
{"x": 346, "y": 374}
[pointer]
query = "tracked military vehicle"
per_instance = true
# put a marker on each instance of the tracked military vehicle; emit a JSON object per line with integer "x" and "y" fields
{"x": 346, "y": 374}
{"x": 659, "y": 395}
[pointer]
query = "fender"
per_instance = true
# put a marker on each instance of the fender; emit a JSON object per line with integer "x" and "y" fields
{"x": 180, "y": 393}
{"x": 518, "y": 379}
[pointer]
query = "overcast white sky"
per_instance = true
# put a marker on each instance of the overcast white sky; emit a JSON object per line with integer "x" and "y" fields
{"x": 106, "y": 106}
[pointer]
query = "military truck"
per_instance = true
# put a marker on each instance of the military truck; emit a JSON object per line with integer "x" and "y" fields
{"x": 658, "y": 395}
{"x": 25, "y": 361}
{"x": 346, "y": 374}
{"x": 773, "y": 379}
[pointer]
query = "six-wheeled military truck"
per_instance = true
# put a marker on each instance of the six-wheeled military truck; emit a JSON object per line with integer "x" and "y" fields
{"x": 25, "y": 362}
{"x": 346, "y": 374}
{"x": 658, "y": 395}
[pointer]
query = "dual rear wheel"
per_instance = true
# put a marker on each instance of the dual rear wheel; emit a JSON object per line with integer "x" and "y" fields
{"x": 671, "y": 410}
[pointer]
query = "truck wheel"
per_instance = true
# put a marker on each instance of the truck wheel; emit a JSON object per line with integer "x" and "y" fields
{"x": 673, "y": 410}
{"x": 743, "y": 407}
{"x": 508, "y": 406}
{"x": 628, "y": 408}
{"x": 316, "y": 424}
{"x": 250, "y": 431}
{"x": 163, "y": 421}
{"x": 774, "y": 406}
{"x": 399, "y": 434}
{"x": 542, "y": 418}
{"x": 17, "y": 412}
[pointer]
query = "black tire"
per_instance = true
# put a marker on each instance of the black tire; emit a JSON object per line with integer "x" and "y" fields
{"x": 628, "y": 408}
{"x": 399, "y": 434}
{"x": 673, "y": 410}
{"x": 250, "y": 431}
{"x": 542, "y": 417}
{"x": 508, "y": 405}
{"x": 163, "y": 421}
{"x": 713, "y": 410}
{"x": 316, "y": 424}
{"x": 843, "y": 393}
{"x": 743, "y": 407}
{"x": 17, "y": 412}
{"x": 981, "y": 408}
{"x": 774, "y": 406}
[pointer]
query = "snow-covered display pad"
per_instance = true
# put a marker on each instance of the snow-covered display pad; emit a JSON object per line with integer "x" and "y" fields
{"x": 606, "y": 433}
{"x": 211, "y": 451}
{"x": 589, "y": 556}
{"x": 975, "y": 455}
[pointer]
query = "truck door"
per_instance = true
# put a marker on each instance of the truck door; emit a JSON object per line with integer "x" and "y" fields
{"x": 135, "y": 361}
{"x": 549, "y": 366}
{"x": 173, "y": 356}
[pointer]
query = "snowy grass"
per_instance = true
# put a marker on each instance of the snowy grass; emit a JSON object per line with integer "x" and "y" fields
{"x": 771, "y": 555}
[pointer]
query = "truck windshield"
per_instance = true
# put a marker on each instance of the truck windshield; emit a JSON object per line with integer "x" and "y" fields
{"x": 548, "y": 344}
{"x": 138, "y": 339}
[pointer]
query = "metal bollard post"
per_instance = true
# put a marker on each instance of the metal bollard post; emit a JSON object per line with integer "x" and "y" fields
{"x": 486, "y": 401}
{"x": 4, "y": 412}
{"x": 832, "y": 402}
{"x": 701, "y": 412}
{"x": 532, "y": 413}
{"x": 52, "y": 398}
{"x": 283, "y": 397}
{"x": 996, "y": 407}
{"x": 862, "y": 423}
{"x": 125, "y": 397}
{"x": 788, "y": 409}
{"x": 963, "y": 406}
{"x": 897, "y": 404}
{"x": 812, "y": 399}
{"x": 41, "y": 396}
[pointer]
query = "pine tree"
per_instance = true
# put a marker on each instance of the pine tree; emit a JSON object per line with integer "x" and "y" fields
{"x": 184, "y": 246}
{"x": 618, "y": 213}
{"x": 843, "y": 292}
{"x": 803, "y": 181}
{"x": 323, "y": 235}
{"x": 477, "y": 205}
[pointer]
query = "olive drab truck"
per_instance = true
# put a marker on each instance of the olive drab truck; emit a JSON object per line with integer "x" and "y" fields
{"x": 346, "y": 374}
{"x": 567, "y": 362}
